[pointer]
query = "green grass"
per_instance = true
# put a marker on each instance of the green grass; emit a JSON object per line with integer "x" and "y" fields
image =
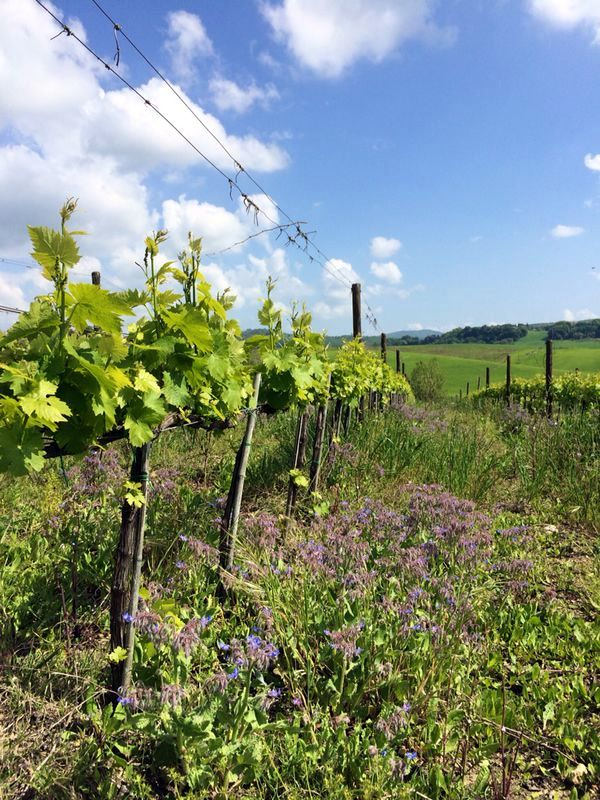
{"x": 467, "y": 362}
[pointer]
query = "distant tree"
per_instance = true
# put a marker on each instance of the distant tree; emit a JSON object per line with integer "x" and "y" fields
{"x": 427, "y": 380}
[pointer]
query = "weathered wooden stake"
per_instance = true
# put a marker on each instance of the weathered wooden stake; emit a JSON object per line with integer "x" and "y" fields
{"x": 335, "y": 418}
{"x": 231, "y": 517}
{"x": 478, "y": 382}
{"x": 299, "y": 459}
{"x": 460, "y": 394}
{"x": 315, "y": 464}
{"x": 124, "y": 593}
{"x": 356, "y": 313}
{"x": 467, "y": 388}
{"x": 403, "y": 368}
{"x": 384, "y": 348}
{"x": 347, "y": 419}
{"x": 549, "y": 377}
{"x": 398, "y": 367}
{"x": 508, "y": 380}
{"x": 136, "y": 574}
{"x": 96, "y": 278}
{"x": 487, "y": 377}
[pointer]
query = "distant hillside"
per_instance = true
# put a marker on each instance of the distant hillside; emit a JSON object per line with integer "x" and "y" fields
{"x": 482, "y": 334}
{"x": 398, "y": 337}
{"x": 393, "y": 339}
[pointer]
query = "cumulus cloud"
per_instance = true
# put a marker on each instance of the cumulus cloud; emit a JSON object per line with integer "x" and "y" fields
{"x": 381, "y": 247}
{"x": 68, "y": 132}
{"x": 592, "y": 162}
{"x": 414, "y": 326}
{"x": 386, "y": 271}
{"x": 186, "y": 42}
{"x": 11, "y": 295}
{"x": 230, "y": 96}
{"x": 567, "y": 14}
{"x": 566, "y": 231}
{"x": 335, "y": 296}
{"x": 328, "y": 36}
{"x": 582, "y": 313}
{"x": 247, "y": 281}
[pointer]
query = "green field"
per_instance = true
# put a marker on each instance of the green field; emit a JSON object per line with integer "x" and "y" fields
{"x": 467, "y": 362}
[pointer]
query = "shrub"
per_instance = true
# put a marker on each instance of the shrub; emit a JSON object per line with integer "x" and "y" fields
{"x": 427, "y": 381}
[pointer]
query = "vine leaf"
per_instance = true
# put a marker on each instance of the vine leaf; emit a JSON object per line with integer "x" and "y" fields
{"x": 191, "y": 322}
{"x": 50, "y": 246}
{"x": 89, "y": 304}
{"x": 20, "y": 454}
{"x": 43, "y": 407}
{"x": 175, "y": 395}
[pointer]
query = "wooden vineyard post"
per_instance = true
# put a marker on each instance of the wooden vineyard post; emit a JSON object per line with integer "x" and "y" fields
{"x": 136, "y": 574}
{"x": 403, "y": 368}
{"x": 384, "y": 348}
{"x": 549, "y": 377}
{"x": 508, "y": 380}
{"x": 398, "y": 367}
{"x": 126, "y": 578}
{"x": 231, "y": 517}
{"x": 487, "y": 377}
{"x": 356, "y": 334}
{"x": 468, "y": 388}
{"x": 356, "y": 312}
{"x": 315, "y": 464}
{"x": 299, "y": 459}
{"x": 347, "y": 419}
{"x": 96, "y": 278}
{"x": 334, "y": 430}
{"x": 478, "y": 382}
{"x": 460, "y": 394}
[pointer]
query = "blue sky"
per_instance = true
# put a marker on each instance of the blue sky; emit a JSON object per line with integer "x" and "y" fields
{"x": 438, "y": 149}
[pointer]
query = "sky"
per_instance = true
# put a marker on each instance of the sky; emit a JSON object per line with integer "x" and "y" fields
{"x": 446, "y": 155}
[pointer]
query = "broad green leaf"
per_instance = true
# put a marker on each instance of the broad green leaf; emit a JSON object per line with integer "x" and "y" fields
{"x": 145, "y": 382}
{"x": 39, "y": 319}
{"x": 175, "y": 395}
{"x": 21, "y": 455}
{"x": 90, "y": 305}
{"x": 134, "y": 297}
{"x": 191, "y": 323}
{"x": 50, "y": 246}
{"x": 42, "y": 406}
{"x": 118, "y": 654}
{"x": 143, "y": 415}
{"x": 112, "y": 345}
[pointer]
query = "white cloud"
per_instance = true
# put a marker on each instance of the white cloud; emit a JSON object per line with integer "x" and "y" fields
{"x": 247, "y": 281}
{"x": 592, "y": 162}
{"x": 186, "y": 42}
{"x": 567, "y": 14}
{"x": 386, "y": 271}
{"x": 228, "y": 95}
{"x": 119, "y": 126}
{"x": 381, "y": 247}
{"x": 11, "y": 295}
{"x": 566, "y": 231}
{"x": 414, "y": 326}
{"x": 328, "y": 36}
{"x": 218, "y": 227}
{"x": 582, "y": 313}
{"x": 67, "y": 132}
{"x": 336, "y": 298}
